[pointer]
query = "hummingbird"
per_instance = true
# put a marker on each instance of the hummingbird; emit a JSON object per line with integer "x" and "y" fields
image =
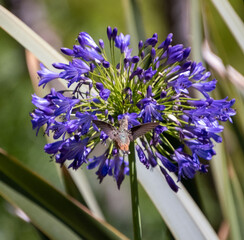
{"x": 123, "y": 136}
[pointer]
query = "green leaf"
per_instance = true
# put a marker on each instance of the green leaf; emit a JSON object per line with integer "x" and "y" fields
{"x": 40, "y": 218}
{"x": 231, "y": 19}
{"x": 70, "y": 212}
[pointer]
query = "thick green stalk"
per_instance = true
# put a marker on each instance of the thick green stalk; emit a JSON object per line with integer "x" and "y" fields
{"x": 134, "y": 195}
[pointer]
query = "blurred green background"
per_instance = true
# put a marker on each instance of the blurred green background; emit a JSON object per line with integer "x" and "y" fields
{"x": 59, "y": 22}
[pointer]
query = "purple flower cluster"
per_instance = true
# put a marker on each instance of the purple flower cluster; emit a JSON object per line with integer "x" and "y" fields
{"x": 152, "y": 86}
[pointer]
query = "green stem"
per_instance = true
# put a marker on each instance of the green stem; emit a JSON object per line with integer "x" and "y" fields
{"x": 134, "y": 195}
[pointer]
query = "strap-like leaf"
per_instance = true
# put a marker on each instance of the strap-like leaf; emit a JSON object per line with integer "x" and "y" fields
{"x": 40, "y": 218}
{"x": 29, "y": 39}
{"x": 232, "y": 20}
{"x": 67, "y": 210}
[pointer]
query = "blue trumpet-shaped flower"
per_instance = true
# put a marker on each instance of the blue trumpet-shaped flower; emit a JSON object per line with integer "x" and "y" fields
{"x": 122, "y": 42}
{"x": 46, "y": 75}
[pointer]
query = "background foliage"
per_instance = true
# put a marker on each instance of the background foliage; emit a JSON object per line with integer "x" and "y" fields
{"x": 219, "y": 193}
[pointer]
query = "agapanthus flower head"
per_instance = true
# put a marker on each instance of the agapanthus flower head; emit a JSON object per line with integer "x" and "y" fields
{"x": 143, "y": 98}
